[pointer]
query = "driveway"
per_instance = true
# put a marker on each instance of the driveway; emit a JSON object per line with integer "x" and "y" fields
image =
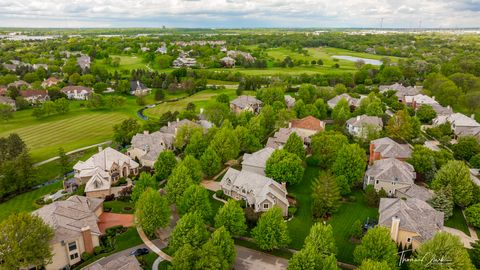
{"x": 248, "y": 259}
{"x": 211, "y": 185}
{"x": 108, "y": 220}
{"x": 466, "y": 240}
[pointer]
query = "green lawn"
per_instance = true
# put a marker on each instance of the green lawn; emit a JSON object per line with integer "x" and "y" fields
{"x": 127, "y": 63}
{"x": 342, "y": 221}
{"x": 457, "y": 221}
{"x": 216, "y": 205}
{"x": 78, "y": 128}
{"x": 299, "y": 226}
{"x": 119, "y": 207}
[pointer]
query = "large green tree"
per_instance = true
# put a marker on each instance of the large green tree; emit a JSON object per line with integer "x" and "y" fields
{"x": 350, "y": 162}
{"x": 25, "y": 241}
{"x": 225, "y": 143}
{"x": 374, "y": 265}
{"x": 191, "y": 230}
{"x": 443, "y": 201}
{"x": 295, "y": 145}
{"x": 325, "y": 146}
{"x": 456, "y": 175}
{"x": 426, "y": 113}
{"x": 472, "y": 213}
{"x": 211, "y": 162}
{"x": 231, "y": 217}
{"x": 403, "y": 126}
{"x": 144, "y": 181}
{"x": 164, "y": 165}
{"x": 427, "y": 162}
{"x": 123, "y": 132}
{"x": 466, "y": 148}
{"x": 152, "y": 212}
{"x": 271, "y": 230}
{"x": 341, "y": 112}
{"x": 325, "y": 195}
{"x": 377, "y": 245}
{"x": 178, "y": 182}
{"x": 284, "y": 166}
{"x": 195, "y": 199}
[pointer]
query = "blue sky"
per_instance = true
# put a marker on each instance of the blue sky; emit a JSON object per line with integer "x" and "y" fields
{"x": 239, "y": 13}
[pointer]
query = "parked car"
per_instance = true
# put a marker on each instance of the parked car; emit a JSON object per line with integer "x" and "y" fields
{"x": 140, "y": 252}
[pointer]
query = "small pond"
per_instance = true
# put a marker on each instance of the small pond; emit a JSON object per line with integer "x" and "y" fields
{"x": 355, "y": 59}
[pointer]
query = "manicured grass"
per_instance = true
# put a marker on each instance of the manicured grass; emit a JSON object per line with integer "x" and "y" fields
{"x": 127, "y": 63}
{"x": 119, "y": 206}
{"x": 342, "y": 221}
{"x": 78, "y": 128}
{"x": 148, "y": 260}
{"x": 276, "y": 252}
{"x": 299, "y": 226}
{"x": 216, "y": 205}
{"x": 457, "y": 221}
{"x": 26, "y": 202}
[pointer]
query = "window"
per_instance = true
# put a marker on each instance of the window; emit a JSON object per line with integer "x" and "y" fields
{"x": 393, "y": 183}
{"x": 243, "y": 191}
{"x": 265, "y": 206}
{"x": 376, "y": 182}
{"x": 72, "y": 246}
{"x": 409, "y": 240}
{"x": 73, "y": 256}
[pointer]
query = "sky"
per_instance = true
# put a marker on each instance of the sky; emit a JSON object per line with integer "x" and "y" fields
{"x": 240, "y": 13}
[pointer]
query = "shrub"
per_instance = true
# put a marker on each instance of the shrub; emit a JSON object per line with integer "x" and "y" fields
{"x": 86, "y": 256}
{"x": 97, "y": 250}
{"x": 473, "y": 215}
{"x": 221, "y": 195}
{"x": 357, "y": 229}
{"x": 291, "y": 211}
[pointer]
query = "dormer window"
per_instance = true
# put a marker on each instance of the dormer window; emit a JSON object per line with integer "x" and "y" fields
{"x": 243, "y": 190}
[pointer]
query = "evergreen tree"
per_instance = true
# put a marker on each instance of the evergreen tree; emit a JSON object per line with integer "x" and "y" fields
{"x": 271, "y": 231}
{"x": 211, "y": 162}
{"x": 295, "y": 145}
{"x": 456, "y": 175}
{"x": 443, "y": 201}
{"x": 326, "y": 195}
{"x": 165, "y": 163}
{"x": 144, "y": 181}
{"x": 189, "y": 230}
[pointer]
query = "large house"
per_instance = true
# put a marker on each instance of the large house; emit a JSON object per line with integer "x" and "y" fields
{"x": 246, "y": 103}
{"x": 401, "y": 91}
{"x": 138, "y": 89}
{"x": 123, "y": 262}
{"x": 461, "y": 124}
{"x": 8, "y": 101}
{"x": 102, "y": 169}
{"x": 146, "y": 147}
{"x": 417, "y": 101}
{"x": 356, "y": 125}
{"x": 228, "y": 62}
{"x": 173, "y": 127}
{"x": 411, "y": 221}
{"x": 75, "y": 223}
{"x": 184, "y": 62}
{"x": 77, "y": 92}
{"x": 352, "y": 102}
{"x": 84, "y": 62}
{"x": 304, "y": 128}
{"x": 289, "y": 101}
{"x": 258, "y": 191}
{"x": 35, "y": 96}
{"x": 18, "y": 84}
{"x": 257, "y": 162}
{"x": 387, "y": 148}
{"x": 390, "y": 174}
{"x": 50, "y": 82}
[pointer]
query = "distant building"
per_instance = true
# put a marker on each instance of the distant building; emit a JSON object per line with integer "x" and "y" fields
{"x": 387, "y": 148}
{"x": 173, "y": 127}
{"x": 246, "y": 103}
{"x": 37, "y": 66}
{"x": 162, "y": 50}
{"x": 50, "y": 82}
{"x": 3, "y": 90}
{"x": 147, "y": 146}
{"x": 138, "y": 89}
{"x": 461, "y": 124}
{"x": 77, "y": 92}
{"x": 8, "y": 101}
{"x": 390, "y": 175}
{"x": 35, "y": 96}
{"x": 257, "y": 162}
{"x": 237, "y": 54}
{"x": 352, "y": 102}
{"x": 418, "y": 100}
{"x": 356, "y": 125}
{"x": 228, "y": 62}
{"x": 84, "y": 62}
{"x": 19, "y": 84}
{"x": 289, "y": 101}
{"x": 123, "y": 262}
{"x": 184, "y": 62}
{"x": 401, "y": 91}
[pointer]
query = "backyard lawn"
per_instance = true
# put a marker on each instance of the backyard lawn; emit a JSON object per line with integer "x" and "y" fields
{"x": 119, "y": 207}
{"x": 457, "y": 221}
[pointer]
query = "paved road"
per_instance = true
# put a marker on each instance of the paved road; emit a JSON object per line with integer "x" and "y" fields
{"x": 71, "y": 152}
{"x": 248, "y": 259}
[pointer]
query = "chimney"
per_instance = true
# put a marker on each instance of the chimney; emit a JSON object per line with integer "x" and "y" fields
{"x": 176, "y": 131}
{"x": 358, "y": 117}
{"x": 178, "y": 120}
{"x": 284, "y": 186}
{"x": 100, "y": 148}
{"x": 394, "y": 228}
{"x": 433, "y": 97}
{"x": 289, "y": 124}
{"x": 146, "y": 132}
{"x": 201, "y": 110}
{"x": 473, "y": 116}
{"x": 87, "y": 239}
{"x": 168, "y": 124}
{"x": 448, "y": 107}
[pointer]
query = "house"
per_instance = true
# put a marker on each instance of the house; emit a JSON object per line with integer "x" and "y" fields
{"x": 356, "y": 125}
{"x": 417, "y": 101}
{"x": 84, "y": 62}
{"x": 77, "y": 92}
{"x": 75, "y": 225}
{"x": 8, "y": 101}
{"x": 146, "y": 147}
{"x": 162, "y": 50}
{"x": 258, "y": 191}
{"x": 461, "y": 124}
{"x": 18, "y": 84}
{"x": 107, "y": 163}
{"x": 246, "y": 103}
{"x": 37, "y": 66}
{"x": 228, "y": 62}
{"x": 173, "y": 127}
{"x": 145, "y": 49}
{"x": 289, "y": 101}
{"x": 415, "y": 191}
{"x": 411, "y": 221}
{"x": 50, "y": 82}
{"x": 123, "y": 262}
{"x": 401, "y": 91}
{"x": 352, "y": 102}
{"x": 184, "y": 62}
{"x": 35, "y": 96}
{"x": 3, "y": 90}
{"x": 257, "y": 162}
{"x": 138, "y": 89}
{"x": 387, "y": 148}
{"x": 237, "y": 54}
{"x": 10, "y": 67}
{"x": 307, "y": 126}
{"x": 389, "y": 174}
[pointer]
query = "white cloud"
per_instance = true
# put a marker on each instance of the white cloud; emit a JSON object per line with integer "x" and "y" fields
{"x": 239, "y": 13}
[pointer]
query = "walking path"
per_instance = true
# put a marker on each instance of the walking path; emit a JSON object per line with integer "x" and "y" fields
{"x": 156, "y": 263}
{"x": 152, "y": 246}
{"x": 71, "y": 152}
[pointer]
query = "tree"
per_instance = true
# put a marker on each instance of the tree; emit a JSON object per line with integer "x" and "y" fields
{"x": 63, "y": 161}
{"x": 350, "y": 162}
{"x": 197, "y": 145}
{"x": 271, "y": 231}
{"x": 357, "y": 229}
{"x": 403, "y": 126}
{"x": 179, "y": 180}
{"x": 475, "y": 161}
{"x": 217, "y": 113}
{"x": 318, "y": 252}
{"x": 185, "y": 257}
{"x": 443, "y": 201}
{"x": 374, "y": 265}
{"x": 426, "y": 113}
{"x": 377, "y": 245}
{"x": 444, "y": 251}
{"x": 295, "y": 145}
{"x": 225, "y": 143}
{"x": 475, "y": 254}
{"x": 165, "y": 163}
{"x": 247, "y": 139}
{"x": 223, "y": 242}
{"x": 325, "y": 146}
{"x": 185, "y": 134}
{"x": 211, "y": 162}
{"x": 426, "y": 162}
{"x": 231, "y": 217}
{"x": 25, "y": 241}
{"x": 223, "y": 98}
{"x": 189, "y": 230}
{"x": 6, "y": 112}
{"x": 341, "y": 112}
{"x": 321, "y": 108}
{"x": 456, "y": 175}
{"x": 195, "y": 199}
{"x": 123, "y": 132}
{"x": 152, "y": 212}
{"x": 371, "y": 196}
{"x": 284, "y": 166}
{"x": 144, "y": 182}
{"x": 466, "y": 148}
{"x": 325, "y": 195}
{"x": 194, "y": 167}
{"x": 472, "y": 213}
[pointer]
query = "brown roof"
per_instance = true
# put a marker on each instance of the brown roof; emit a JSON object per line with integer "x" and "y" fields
{"x": 3, "y": 90}
{"x": 308, "y": 122}
{"x": 72, "y": 88}
{"x": 33, "y": 93}
{"x": 51, "y": 80}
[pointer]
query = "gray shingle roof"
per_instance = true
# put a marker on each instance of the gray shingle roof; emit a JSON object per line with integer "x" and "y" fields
{"x": 172, "y": 126}
{"x": 259, "y": 158}
{"x": 246, "y": 101}
{"x": 415, "y": 191}
{"x": 153, "y": 143}
{"x": 389, "y": 148}
{"x": 392, "y": 170}
{"x": 361, "y": 120}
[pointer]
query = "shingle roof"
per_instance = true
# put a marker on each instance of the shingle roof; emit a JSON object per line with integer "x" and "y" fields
{"x": 392, "y": 170}
{"x": 104, "y": 160}
{"x": 246, "y": 101}
{"x": 351, "y": 100}
{"x": 259, "y": 158}
{"x": 170, "y": 128}
{"x": 415, "y": 216}
{"x": 121, "y": 263}
{"x": 389, "y": 148}
{"x": 34, "y": 93}
{"x": 6, "y": 100}
{"x": 78, "y": 88}
{"x": 152, "y": 143}
{"x": 415, "y": 191}
{"x": 308, "y": 122}
{"x": 361, "y": 120}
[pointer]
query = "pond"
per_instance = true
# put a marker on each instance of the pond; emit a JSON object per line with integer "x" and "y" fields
{"x": 355, "y": 59}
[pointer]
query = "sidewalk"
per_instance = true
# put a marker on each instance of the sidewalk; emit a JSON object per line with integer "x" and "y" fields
{"x": 152, "y": 246}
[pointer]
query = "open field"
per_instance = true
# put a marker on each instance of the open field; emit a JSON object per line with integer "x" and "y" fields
{"x": 127, "y": 63}
{"x": 78, "y": 128}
